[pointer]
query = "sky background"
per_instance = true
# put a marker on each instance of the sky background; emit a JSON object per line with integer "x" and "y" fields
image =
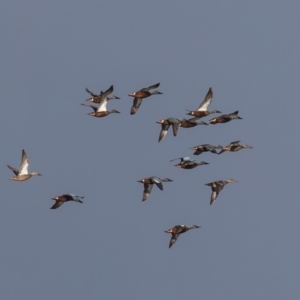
{"x": 113, "y": 246}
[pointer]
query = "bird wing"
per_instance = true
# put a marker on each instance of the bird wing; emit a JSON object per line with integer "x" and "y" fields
{"x": 163, "y": 132}
{"x": 173, "y": 239}
{"x": 147, "y": 190}
{"x": 157, "y": 181}
{"x": 163, "y": 179}
{"x": 136, "y": 104}
{"x": 16, "y": 171}
{"x": 216, "y": 190}
{"x": 91, "y": 93}
{"x": 24, "y": 164}
{"x": 207, "y": 100}
{"x": 92, "y": 106}
{"x": 175, "y": 127}
{"x": 102, "y": 104}
{"x": 107, "y": 92}
{"x": 151, "y": 87}
{"x": 57, "y": 204}
{"x": 234, "y": 143}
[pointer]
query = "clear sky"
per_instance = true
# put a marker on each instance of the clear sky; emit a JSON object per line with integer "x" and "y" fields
{"x": 113, "y": 246}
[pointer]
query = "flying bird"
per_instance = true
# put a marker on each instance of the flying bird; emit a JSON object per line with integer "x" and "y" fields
{"x": 98, "y": 98}
{"x": 141, "y": 94}
{"x": 202, "y": 111}
{"x": 234, "y": 147}
{"x": 189, "y": 123}
{"x": 217, "y": 187}
{"x": 226, "y": 118}
{"x": 165, "y": 125}
{"x": 177, "y": 230}
{"x": 22, "y": 174}
{"x": 206, "y": 148}
{"x": 148, "y": 184}
{"x": 188, "y": 163}
{"x": 60, "y": 200}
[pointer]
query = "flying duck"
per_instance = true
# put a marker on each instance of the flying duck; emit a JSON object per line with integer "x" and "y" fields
{"x": 148, "y": 184}
{"x": 22, "y": 174}
{"x": 141, "y": 94}
{"x": 177, "y": 230}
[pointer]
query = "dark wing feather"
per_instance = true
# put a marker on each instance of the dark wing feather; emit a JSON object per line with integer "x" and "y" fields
{"x": 91, "y": 93}
{"x": 57, "y": 204}
{"x": 147, "y": 190}
{"x": 151, "y": 87}
{"x": 92, "y": 106}
{"x": 173, "y": 239}
{"x": 136, "y": 104}
{"x": 108, "y": 91}
{"x": 16, "y": 171}
{"x": 175, "y": 127}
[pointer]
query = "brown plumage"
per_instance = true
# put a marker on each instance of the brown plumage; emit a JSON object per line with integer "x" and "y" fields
{"x": 140, "y": 95}
{"x": 234, "y": 147}
{"x": 225, "y": 118}
{"x": 177, "y": 230}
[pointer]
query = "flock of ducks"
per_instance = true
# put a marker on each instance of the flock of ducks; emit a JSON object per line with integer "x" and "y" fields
{"x": 100, "y": 110}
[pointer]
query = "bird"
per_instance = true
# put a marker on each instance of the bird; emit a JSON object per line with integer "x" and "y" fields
{"x": 98, "y": 98}
{"x": 22, "y": 174}
{"x": 187, "y": 163}
{"x": 205, "y": 148}
{"x": 101, "y": 110}
{"x": 225, "y": 118}
{"x": 234, "y": 147}
{"x": 202, "y": 111}
{"x": 148, "y": 184}
{"x": 165, "y": 125}
{"x": 217, "y": 187}
{"x": 59, "y": 200}
{"x": 141, "y": 94}
{"x": 177, "y": 230}
{"x": 192, "y": 122}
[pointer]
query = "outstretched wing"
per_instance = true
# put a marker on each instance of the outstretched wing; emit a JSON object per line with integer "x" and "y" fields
{"x": 163, "y": 132}
{"x": 147, "y": 190}
{"x": 151, "y": 87}
{"x": 24, "y": 164}
{"x": 14, "y": 170}
{"x": 107, "y": 92}
{"x": 207, "y": 100}
{"x": 136, "y": 104}
{"x": 57, "y": 204}
{"x": 173, "y": 239}
{"x": 175, "y": 127}
{"x": 157, "y": 181}
{"x": 92, "y": 106}
{"x": 91, "y": 93}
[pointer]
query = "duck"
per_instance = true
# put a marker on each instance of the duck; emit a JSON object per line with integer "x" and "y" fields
{"x": 217, "y": 187}
{"x": 188, "y": 163}
{"x": 22, "y": 174}
{"x": 226, "y": 118}
{"x": 165, "y": 125}
{"x": 101, "y": 110}
{"x": 141, "y": 94}
{"x": 202, "y": 111}
{"x": 60, "y": 200}
{"x": 177, "y": 230}
{"x": 148, "y": 184}
{"x": 206, "y": 148}
{"x": 192, "y": 122}
{"x": 234, "y": 147}
{"x": 98, "y": 98}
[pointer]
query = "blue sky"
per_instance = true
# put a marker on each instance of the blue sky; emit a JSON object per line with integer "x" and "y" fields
{"x": 113, "y": 246}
